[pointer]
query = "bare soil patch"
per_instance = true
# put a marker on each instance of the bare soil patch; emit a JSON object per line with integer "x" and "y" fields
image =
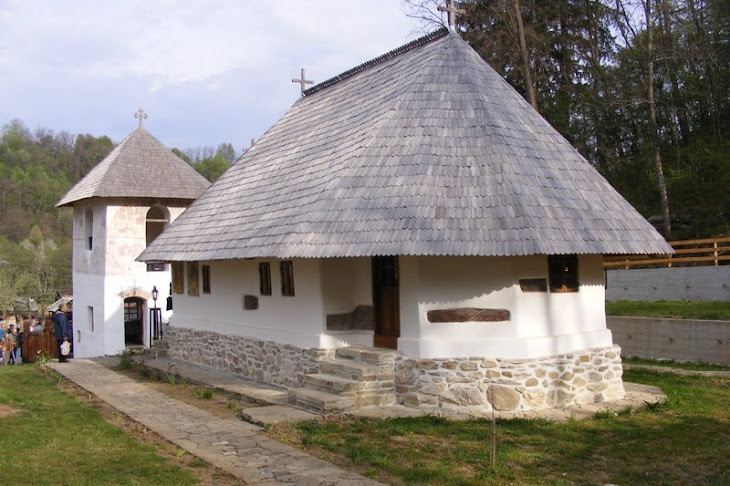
{"x": 7, "y": 411}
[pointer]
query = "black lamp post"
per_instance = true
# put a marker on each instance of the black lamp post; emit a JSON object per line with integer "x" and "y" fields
{"x": 155, "y": 316}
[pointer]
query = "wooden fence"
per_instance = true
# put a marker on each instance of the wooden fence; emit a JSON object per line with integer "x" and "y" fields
{"x": 37, "y": 343}
{"x": 706, "y": 252}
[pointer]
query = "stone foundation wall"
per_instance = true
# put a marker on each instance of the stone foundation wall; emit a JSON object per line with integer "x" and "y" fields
{"x": 592, "y": 376}
{"x": 265, "y": 361}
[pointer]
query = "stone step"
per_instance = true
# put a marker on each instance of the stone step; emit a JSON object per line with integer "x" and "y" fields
{"x": 333, "y": 384}
{"x": 355, "y": 370}
{"x": 365, "y": 354}
{"x": 320, "y": 401}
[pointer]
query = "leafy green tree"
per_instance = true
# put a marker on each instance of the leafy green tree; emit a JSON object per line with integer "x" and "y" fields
{"x": 212, "y": 167}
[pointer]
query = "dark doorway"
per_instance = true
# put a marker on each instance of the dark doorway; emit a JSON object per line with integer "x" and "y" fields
{"x": 133, "y": 324}
{"x": 386, "y": 302}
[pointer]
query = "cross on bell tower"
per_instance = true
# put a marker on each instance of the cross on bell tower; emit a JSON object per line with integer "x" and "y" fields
{"x": 303, "y": 81}
{"x": 141, "y": 115}
{"x": 451, "y": 10}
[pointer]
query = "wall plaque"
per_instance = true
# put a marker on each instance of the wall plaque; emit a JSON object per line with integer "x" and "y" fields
{"x": 468, "y": 314}
{"x": 250, "y": 302}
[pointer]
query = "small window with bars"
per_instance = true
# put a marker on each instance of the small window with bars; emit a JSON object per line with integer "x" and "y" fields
{"x": 206, "y": 279}
{"x": 287, "y": 278}
{"x": 265, "y": 278}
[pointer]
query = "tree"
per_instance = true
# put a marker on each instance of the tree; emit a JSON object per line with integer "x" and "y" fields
{"x": 212, "y": 167}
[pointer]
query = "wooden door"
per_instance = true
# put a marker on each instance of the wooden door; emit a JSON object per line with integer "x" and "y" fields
{"x": 133, "y": 321}
{"x": 386, "y": 302}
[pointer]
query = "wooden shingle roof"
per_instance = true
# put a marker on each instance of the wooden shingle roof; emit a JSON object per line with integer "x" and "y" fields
{"x": 424, "y": 151}
{"x": 140, "y": 166}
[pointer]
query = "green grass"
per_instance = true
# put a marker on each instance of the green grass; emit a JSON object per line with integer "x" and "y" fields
{"x": 671, "y": 309}
{"x": 668, "y": 363}
{"x": 685, "y": 441}
{"x": 53, "y": 439}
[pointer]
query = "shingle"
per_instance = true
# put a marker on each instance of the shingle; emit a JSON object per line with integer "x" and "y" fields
{"x": 139, "y": 167}
{"x": 424, "y": 151}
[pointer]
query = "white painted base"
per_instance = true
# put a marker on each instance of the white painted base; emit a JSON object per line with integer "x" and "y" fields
{"x": 505, "y": 348}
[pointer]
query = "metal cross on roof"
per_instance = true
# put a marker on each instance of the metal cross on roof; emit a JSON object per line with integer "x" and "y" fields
{"x": 141, "y": 115}
{"x": 451, "y": 10}
{"x": 303, "y": 81}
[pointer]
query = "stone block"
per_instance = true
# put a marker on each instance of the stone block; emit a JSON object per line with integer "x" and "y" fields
{"x": 531, "y": 382}
{"x": 503, "y": 398}
{"x": 540, "y": 373}
{"x": 436, "y": 389}
{"x": 559, "y": 398}
{"x": 534, "y": 399}
{"x": 488, "y": 363}
{"x": 427, "y": 364}
{"x": 464, "y": 396}
{"x": 468, "y": 366}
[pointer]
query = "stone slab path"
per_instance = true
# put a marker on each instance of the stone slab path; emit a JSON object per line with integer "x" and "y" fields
{"x": 235, "y": 446}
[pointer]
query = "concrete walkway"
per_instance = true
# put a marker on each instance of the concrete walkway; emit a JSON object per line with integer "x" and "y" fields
{"x": 235, "y": 446}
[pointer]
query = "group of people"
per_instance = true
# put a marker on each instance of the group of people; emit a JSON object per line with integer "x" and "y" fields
{"x": 13, "y": 331}
{"x": 11, "y": 339}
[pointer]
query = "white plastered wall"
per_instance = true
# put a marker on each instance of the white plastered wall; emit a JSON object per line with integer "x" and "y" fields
{"x": 541, "y": 323}
{"x": 103, "y": 275}
{"x": 296, "y": 320}
{"x": 346, "y": 284}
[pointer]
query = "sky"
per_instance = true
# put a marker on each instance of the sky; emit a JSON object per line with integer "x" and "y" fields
{"x": 205, "y": 71}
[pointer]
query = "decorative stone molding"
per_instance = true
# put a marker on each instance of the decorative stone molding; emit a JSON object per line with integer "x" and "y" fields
{"x": 142, "y": 294}
{"x": 468, "y": 314}
{"x": 360, "y": 319}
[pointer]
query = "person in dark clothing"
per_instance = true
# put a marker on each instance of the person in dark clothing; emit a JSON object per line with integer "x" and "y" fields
{"x": 62, "y": 330}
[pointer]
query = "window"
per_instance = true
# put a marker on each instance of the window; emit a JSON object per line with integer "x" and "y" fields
{"x": 156, "y": 220}
{"x": 178, "y": 277}
{"x": 563, "y": 271}
{"x": 265, "y": 278}
{"x": 287, "y": 278}
{"x": 193, "y": 279}
{"x": 206, "y": 279}
{"x": 91, "y": 318}
{"x": 132, "y": 310}
{"x": 156, "y": 267}
{"x": 89, "y": 229}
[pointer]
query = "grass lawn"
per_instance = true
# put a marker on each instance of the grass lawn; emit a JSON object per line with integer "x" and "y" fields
{"x": 672, "y": 309}
{"x": 51, "y": 438}
{"x": 685, "y": 441}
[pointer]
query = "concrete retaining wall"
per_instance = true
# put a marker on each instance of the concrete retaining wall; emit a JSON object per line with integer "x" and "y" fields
{"x": 678, "y": 283}
{"x": 677, "y": 339}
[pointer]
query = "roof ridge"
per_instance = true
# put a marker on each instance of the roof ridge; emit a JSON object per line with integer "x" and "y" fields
{"x": 437, "y": 34}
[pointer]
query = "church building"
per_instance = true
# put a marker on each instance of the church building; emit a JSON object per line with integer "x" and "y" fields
{"x": 411, "y": 231}
{"x": 119, "y": 207}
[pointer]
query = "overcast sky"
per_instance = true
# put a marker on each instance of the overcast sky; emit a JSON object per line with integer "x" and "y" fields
{"x": 205, "y": 71}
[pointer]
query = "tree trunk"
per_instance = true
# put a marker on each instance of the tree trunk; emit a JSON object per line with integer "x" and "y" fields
{"x": 653, "y": 134}
{"x": 526, "y": 75}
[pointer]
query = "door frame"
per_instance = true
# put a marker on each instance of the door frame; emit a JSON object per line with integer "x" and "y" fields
{"x": 386, "y": 301}
{"x": 141, "y": 304}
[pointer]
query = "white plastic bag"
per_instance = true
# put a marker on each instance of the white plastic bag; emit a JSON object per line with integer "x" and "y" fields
{"x": 65, "y": 348}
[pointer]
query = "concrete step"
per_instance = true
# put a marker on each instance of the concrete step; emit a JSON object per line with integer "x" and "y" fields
{"x": 365, "y": 354}
{"x": 320, "y": 401}
{"x": 333, "y": 384}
